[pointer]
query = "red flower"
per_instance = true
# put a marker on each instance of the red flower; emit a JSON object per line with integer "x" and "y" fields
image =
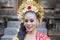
{"x": 29, "y": 7}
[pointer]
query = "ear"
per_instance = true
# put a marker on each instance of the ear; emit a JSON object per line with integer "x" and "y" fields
{"x": 37, "y": 22}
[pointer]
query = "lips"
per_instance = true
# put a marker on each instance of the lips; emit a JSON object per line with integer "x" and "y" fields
{"x": 29, "y": 27}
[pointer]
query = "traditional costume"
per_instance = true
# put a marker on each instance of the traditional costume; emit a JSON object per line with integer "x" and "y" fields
{"x": 30, "y": 5}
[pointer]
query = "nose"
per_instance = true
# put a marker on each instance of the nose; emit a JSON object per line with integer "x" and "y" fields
{"x": 28, "y": 22}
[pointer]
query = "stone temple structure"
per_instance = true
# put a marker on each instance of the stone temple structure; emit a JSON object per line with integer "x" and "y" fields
{"x": 9, "y": 23}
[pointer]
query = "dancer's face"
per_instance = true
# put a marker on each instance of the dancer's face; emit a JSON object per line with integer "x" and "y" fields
{"x": 30, "y": 21}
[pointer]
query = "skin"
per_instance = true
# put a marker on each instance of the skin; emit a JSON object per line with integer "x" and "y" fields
{"x": 30, "y": 22}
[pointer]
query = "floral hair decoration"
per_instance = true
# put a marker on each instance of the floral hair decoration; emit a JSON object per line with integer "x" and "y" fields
{"x": 30, "y": 5}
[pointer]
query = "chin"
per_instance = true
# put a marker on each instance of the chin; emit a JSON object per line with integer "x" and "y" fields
{"x": 29, "y": 30}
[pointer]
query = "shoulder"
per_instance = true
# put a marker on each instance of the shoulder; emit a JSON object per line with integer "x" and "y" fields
{"x": 42, "y": 36}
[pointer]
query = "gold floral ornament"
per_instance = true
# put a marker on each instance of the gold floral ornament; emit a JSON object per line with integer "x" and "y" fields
{"x": 30, "y": 5}
{"x": 16, "y": 38}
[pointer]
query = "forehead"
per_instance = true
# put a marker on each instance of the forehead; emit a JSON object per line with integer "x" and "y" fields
{"x": 30, "y": 16}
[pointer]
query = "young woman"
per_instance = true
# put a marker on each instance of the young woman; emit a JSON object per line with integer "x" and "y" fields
{"x": 30, "y": 14}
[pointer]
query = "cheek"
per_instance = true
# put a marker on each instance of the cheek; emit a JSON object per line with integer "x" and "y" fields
{"x": 25, "y": 24}
{"x": 34, "y": 23}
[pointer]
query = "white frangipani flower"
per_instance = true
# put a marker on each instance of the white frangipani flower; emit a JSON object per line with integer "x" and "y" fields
{"x": 33, "y": 8}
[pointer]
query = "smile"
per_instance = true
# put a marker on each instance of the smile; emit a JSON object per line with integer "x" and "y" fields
{"x": 29, "y": 27}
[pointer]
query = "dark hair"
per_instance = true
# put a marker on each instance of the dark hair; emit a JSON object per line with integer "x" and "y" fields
{"x": 22, "y": 32}
{"x": 31, "y": 12}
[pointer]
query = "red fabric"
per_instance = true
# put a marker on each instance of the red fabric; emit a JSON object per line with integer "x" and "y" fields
{"x": 41, "y": 36}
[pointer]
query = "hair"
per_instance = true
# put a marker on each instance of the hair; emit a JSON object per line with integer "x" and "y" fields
{"x": 22, "y": 32}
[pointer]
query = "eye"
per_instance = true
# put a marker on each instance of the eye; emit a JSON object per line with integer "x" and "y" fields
{"x": 26, "y": 20}
{"x": 31, "y": 20}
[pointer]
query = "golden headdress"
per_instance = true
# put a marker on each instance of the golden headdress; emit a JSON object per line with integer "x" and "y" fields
{"x": 30, "y": 5}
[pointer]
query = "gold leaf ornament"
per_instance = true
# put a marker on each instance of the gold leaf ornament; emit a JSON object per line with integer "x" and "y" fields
{"x": 16, "y": 38}
{"x": 36, "y": 7}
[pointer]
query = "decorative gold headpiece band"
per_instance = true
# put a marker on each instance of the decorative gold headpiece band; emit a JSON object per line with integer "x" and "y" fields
{"x": 30, "y": 5}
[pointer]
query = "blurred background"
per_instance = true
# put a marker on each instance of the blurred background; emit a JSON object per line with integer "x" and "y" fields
{"x": 9, "y": 20}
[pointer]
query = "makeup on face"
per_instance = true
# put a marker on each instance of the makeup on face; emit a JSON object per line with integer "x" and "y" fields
{"x": 31, "y": 20}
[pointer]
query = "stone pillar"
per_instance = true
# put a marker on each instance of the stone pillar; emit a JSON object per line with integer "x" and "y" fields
{"x": 8, "y": 3}
{"x": 47, "y": 3}
{"x": 58, "y": 25}
{"x": 57, "y": 15}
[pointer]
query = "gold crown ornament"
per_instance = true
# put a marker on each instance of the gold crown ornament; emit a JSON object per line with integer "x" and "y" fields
{"x": 30, "y": 5}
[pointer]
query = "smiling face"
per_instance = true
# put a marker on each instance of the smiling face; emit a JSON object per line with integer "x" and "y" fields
{"x": 30, "y": 21}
